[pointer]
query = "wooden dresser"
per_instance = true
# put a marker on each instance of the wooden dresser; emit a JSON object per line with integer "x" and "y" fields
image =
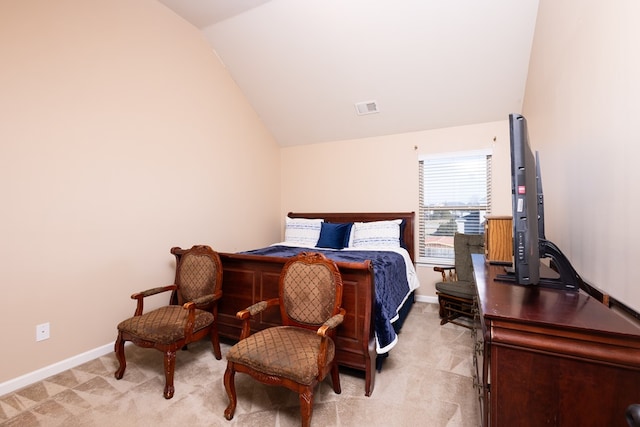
{"x": 545, "y": 357}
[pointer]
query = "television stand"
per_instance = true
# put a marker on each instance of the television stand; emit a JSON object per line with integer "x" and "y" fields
{"x": 566, "y": 278}
{"x": 547, "y": 279}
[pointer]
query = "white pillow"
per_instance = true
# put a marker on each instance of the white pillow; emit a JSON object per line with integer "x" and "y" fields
{"x": 302, "y": 231}
{"x": 375, "y": 234}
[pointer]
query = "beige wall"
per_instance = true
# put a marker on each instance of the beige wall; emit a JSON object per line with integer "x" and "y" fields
{"x": 582, "y": 108}
{"x": 381, "y": 174}
{"x": 121, "y": 136}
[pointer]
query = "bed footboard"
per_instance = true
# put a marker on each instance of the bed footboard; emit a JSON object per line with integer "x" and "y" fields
{"x": 248, "y": 279}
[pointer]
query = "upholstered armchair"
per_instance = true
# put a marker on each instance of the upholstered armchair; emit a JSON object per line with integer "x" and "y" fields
{"x": 300, "y": 353}
{"x": 197, "y": 289}
{"x": 456, "y": 291}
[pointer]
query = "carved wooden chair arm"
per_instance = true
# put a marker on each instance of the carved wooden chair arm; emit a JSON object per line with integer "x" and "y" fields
{"x": 140, "y": 296}
{"x": 448, "y": 273}
{"x": 205, "y": 300}
{"x": 202, "y": 301}
{"x": 154, "y": 291}
{"x": 192, "y": 305}
{"x": 191, "y": 318}
{"x": 323, "y": 331}
{"x": 257, "y": 308}
{"x": 217, "y": 295}
{"x": 331, "y": 323}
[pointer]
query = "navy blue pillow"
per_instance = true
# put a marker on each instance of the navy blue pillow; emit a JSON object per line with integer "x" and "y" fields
{"x": 335, "y": 236}
{"x": 403, "y": 224}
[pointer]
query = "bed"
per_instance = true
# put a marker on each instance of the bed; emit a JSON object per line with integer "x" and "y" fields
{"x": 365, "y": 337}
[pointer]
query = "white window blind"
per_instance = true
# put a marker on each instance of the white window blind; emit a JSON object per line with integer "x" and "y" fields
{"x": 455, "y": 196}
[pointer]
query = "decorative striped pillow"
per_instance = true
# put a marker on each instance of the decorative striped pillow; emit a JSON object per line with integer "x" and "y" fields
{"x": 302, "y": 231}
{"x": 376, "y": 234}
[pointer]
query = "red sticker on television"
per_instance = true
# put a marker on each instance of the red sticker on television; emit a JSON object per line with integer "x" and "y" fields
{"x": 521, "y": 189}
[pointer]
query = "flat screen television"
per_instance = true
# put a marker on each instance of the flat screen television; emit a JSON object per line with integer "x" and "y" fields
{"x": 529, "y": 242}
{"x": 524, "y": 192}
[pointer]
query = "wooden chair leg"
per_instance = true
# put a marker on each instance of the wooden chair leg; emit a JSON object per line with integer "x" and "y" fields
{"x": 443, "y": 311}
{"x": 306, "y": 406}
{"x": 215, "y": 341}
{"x": 169, "y": 369}
{"x": 230, "y": 386}
{"x": 335, "y": 378}
{"x": 119, "y": 349}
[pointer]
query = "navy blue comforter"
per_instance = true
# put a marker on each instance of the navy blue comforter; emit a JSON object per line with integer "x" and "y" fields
{"x": 390, "y": 279}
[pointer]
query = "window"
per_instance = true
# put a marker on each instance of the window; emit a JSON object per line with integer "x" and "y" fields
{"x": 455, "y": 196}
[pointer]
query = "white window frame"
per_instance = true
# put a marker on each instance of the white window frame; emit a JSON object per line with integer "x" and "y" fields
{"x": 440, "y": 250}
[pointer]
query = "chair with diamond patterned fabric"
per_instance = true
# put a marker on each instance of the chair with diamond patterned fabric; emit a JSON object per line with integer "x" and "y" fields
{"x": 300, "y": 353}
{"x": 197, "y": 289}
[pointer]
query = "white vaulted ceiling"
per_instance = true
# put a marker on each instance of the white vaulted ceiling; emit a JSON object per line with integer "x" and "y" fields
{"x": 427, "y": 64}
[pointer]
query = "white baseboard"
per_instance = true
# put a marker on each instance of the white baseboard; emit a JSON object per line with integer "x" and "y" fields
{"x": 424, "y": 298}
{"x": 39, "y": 375}
{"x": 35, "y": 376}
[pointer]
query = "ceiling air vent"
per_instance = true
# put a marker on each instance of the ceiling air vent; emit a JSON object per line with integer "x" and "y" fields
{"x": 367, "y": 107}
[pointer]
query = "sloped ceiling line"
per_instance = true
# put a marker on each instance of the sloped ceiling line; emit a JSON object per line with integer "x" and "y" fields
{"x": 428, "y": 63}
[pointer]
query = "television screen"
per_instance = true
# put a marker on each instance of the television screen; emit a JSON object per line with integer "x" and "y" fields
{"x": 529, "y": 242}
{"x": 524, "y": 189}
{"x": 541, "y": 234}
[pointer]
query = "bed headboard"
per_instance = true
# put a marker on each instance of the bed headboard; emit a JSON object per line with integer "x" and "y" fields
{"x": 408, "y": 217}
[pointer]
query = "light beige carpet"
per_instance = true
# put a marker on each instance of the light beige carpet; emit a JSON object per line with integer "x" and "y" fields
{"x": 426, "y": 381}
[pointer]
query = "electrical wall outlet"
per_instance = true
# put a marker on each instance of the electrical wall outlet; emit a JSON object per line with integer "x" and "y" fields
{"x": 42, "y": 331}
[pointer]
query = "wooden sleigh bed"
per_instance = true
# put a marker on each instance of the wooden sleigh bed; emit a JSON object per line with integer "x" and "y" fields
{"x": 251, "y": 278}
